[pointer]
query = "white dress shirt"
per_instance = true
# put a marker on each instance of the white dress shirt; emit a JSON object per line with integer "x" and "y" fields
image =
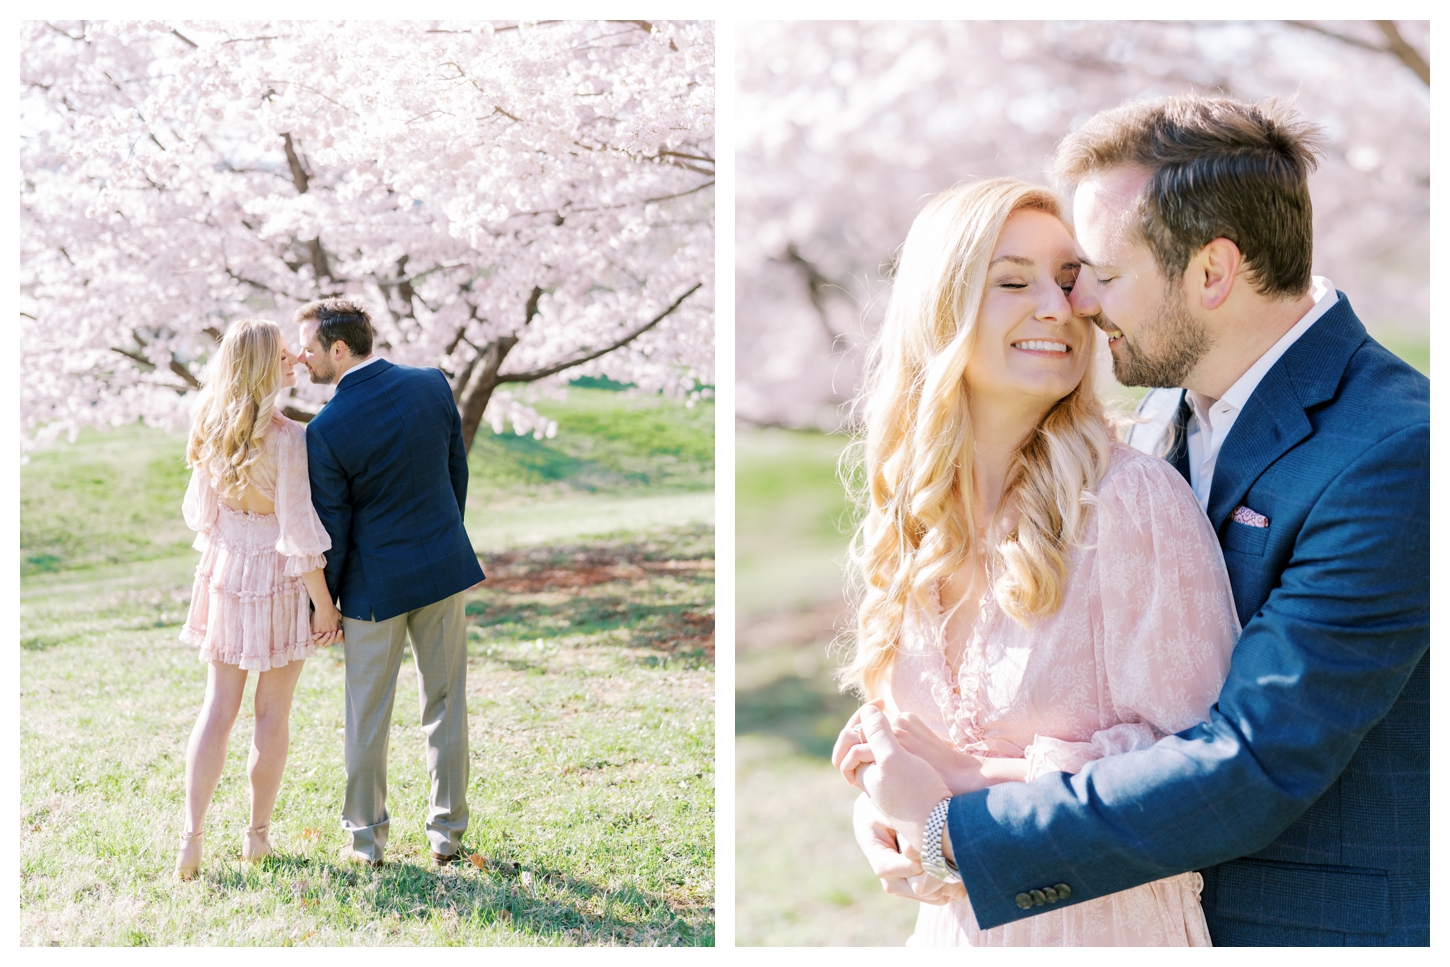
{"x": 1212, "y": 419}
{"x": 366, "y": 362}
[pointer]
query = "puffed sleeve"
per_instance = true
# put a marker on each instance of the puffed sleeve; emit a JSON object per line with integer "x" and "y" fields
{"x": 1168, "y": 620}
{"x": 199, "y": 507}
{"x": 303, "y": 538}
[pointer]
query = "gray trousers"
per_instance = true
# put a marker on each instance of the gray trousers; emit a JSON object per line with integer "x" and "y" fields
{"x": 374, "y": 652}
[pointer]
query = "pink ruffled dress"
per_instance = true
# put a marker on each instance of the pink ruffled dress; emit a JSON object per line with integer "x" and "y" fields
{"x": 1139, "y": 649}
{"x": 249, "y": 607}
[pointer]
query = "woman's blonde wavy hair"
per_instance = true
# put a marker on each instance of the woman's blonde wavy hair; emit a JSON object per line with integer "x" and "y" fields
{"x": 236, "y": 403}
{"x": 915, "y": 487}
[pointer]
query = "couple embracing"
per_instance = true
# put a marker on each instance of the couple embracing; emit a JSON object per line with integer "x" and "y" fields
{"x": 348, "y": 532}
{"x": 1167, "y": 691}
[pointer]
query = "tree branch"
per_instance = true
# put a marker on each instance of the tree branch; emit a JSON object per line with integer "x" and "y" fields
{"x": 184, "y": 39}
{"x": 299, "y": 176}
{"x": 176, "y": 365}
{"x": 1396, "y": 45}
{"x": 135, "y": 357}
{"x": 1342, "y": 38}
{"x": 180, "y": 369}
{"x": 300, "y": 415}
{"x": 1409, "y": 56}
{"x": 534, "y": 374}
{"x": 816, "y": 285}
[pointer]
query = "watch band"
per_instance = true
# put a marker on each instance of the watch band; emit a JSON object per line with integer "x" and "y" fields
{"x": 932, "y": 860}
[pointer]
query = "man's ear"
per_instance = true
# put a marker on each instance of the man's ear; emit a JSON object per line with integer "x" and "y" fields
{"x": 1214, "y": 270}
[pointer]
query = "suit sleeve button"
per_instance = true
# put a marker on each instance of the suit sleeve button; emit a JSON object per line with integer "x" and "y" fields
{"x": 1038, "y": 897}
{"x": 1024, "y": 901}
{"x": 1050, "y": 893}
{"x": 1063, "y": 891}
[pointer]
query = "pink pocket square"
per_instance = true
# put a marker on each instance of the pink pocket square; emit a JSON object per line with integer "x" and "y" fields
{"x": 1250, "y": 517}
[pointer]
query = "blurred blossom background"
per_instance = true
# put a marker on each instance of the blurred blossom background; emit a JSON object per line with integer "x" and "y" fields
{"x": 843, "y": 132}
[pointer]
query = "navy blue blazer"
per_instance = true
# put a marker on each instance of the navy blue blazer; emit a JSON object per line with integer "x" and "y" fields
{"x": 1305, "y": 799}
{"x": 389, "y": 476}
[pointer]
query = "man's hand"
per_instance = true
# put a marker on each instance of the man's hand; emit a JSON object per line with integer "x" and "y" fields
{"x": 903, "y": 787}
{"x": 899, "y": 876}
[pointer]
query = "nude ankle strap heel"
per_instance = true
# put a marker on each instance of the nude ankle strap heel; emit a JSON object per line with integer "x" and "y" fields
{"x": 188, "y": 855}
{"x": 255, "y": 846}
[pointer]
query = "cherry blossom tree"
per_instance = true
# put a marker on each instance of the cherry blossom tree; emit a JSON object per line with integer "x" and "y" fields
{"x": 845, "y": 129}
{"x": 520, "y": 204}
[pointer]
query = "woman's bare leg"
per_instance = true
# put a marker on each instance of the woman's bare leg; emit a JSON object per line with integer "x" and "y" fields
{"x": 270, "y": 740}
{"x": 206, "y": 752}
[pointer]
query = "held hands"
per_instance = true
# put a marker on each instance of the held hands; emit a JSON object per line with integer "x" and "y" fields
{"x": 903, "y": 787}
{"x": 899, "y": 876}
{"x": 326, "y": 625}
{"x": 851, "y": 751}
{"x": 961, "y": 771}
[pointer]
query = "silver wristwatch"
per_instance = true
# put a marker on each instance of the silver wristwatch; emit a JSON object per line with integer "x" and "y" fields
{"x": 932, "y": 860}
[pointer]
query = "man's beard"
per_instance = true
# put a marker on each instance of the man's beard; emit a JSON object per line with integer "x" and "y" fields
{"x": 322, "y": 372}
{"x": 1178, "y": 342}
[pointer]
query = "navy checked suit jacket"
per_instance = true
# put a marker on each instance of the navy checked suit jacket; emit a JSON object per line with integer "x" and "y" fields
{"x": 1305, "y": 798}
{"x": 389, "y": 476}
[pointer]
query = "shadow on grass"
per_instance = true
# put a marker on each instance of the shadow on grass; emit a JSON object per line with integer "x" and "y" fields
{"x": 550, "y": 905}
{"x": 655, "y": 595}
{"x": 785, "y": 677}
{"x": 539, "y": 460}
{"x": 806, "y": 711}
{"x": 676, "y": 631}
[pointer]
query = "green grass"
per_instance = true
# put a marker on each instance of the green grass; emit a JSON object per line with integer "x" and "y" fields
{"x": 110, "y": 497}
{"x": 792, "y": 521}
{"x": 800, "y": 879}
{"x": 1412, "y": 347}
{"x": 607, "y": 441}
{"x": 590, "y": 687}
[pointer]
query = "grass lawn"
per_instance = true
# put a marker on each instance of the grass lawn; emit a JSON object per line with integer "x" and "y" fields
{"x": 591, "y": 678}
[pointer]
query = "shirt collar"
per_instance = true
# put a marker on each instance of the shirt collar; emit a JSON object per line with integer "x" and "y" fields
{"x": 1238, "y": 394}
{"x": 366, "y": 362}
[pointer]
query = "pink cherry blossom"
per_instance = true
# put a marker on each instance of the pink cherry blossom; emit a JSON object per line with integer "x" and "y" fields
{"x": 520, "y": 203}
{"x": 845, "y": 128}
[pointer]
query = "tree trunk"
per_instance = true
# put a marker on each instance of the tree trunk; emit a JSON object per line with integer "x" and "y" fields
{"x": 482, "y": 380}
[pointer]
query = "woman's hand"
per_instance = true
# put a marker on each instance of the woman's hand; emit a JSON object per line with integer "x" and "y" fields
{"x": 851, "y": 751}
{"x": 326, "y": 619}
{"x": 326, "y": 625}
{"x": 961, "y": 771}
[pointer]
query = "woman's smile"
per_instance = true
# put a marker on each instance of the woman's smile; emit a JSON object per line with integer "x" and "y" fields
{"x": 1050, "y": 348}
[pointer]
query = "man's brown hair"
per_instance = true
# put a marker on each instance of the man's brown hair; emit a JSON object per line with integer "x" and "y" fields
{"x": 1219, "y": 168}
{"x": 345, "y": 319}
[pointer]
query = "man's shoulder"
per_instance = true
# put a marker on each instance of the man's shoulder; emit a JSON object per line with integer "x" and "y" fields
{"x": 1376, "y": 378}
{"x": 413, "y": 376}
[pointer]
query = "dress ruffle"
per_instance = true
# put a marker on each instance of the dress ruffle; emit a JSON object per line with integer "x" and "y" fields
{"x": 246, "y": 610}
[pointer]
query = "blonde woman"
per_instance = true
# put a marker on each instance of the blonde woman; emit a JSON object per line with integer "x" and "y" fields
{"x": 1032, "y": 594}
{"x": 262, "y": 558}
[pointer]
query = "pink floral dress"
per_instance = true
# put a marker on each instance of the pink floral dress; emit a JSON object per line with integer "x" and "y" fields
{"x": 249, "y": 607}
{"x": 1138, "y": 650}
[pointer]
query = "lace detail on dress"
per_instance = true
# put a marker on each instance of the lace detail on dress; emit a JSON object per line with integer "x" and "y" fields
{"x": 960, "y": 695}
